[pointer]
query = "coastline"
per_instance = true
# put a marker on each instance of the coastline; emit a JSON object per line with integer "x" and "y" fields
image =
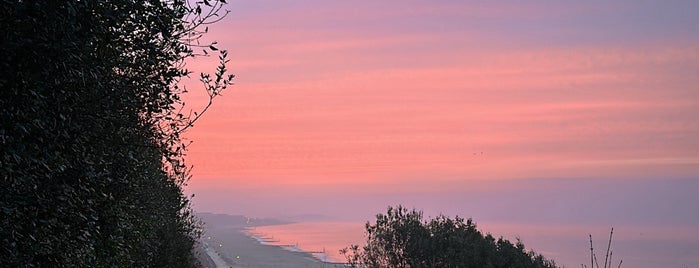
{"x": 323, "y": 239}
{"x": 320, "y": 256}
{"x": 239, "y": 250}
{"x": 564, "y": 243}
{"x": 230, "y": 244}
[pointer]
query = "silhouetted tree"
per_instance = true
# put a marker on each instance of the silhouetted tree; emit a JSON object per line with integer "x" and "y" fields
{"x": 91, "y": 165}
{"x": 401, "y": 238}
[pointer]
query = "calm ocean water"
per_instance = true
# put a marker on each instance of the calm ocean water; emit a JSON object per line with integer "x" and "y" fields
{"x": 637, "y": 246}
{"x": 325, "y": 239}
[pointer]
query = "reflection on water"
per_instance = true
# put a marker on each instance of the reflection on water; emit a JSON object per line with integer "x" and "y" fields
{"x": 322, "y": 239}
{"x": 568, "y": 245}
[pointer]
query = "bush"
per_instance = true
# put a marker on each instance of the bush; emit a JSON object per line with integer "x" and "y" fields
{"x": 401, "y": 238}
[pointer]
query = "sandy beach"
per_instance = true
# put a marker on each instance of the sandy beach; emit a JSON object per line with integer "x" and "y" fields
{"x": 228, "y": 246}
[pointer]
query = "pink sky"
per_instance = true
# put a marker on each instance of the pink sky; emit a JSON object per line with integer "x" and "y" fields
{"x": 331, "y": 92}
{"x": 551, "y": 113}
{"x": 425, "y": 97}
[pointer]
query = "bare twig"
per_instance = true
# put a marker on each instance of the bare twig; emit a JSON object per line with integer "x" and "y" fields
{"x": 592, "y": 253}
{"x": 606, "y": 258}
{"x": 610, "y": 258}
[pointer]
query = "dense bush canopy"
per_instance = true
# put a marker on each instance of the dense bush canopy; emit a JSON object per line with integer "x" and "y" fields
{"x": 401, "y": 238}
{"x": 91, "y": 166}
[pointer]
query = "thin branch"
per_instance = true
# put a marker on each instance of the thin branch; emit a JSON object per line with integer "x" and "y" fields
{"x": 198, "y": 115}
{"x": 610, "y": 259}
{"x": 592, "y": 253}
{"x": 609, "y": 245}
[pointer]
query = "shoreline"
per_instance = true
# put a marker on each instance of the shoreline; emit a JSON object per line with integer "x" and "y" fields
{"x": 637, "y": 244}
{"x": 320, "y": 256}
{"x": 232, "y": 247}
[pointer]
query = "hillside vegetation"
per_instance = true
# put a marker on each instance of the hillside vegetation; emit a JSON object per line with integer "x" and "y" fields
{"x": 92, "y": 163}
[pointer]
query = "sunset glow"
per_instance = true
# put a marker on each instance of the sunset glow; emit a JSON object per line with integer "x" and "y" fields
{"x": 554, "y": 115}
{"x": 330, "y": 92}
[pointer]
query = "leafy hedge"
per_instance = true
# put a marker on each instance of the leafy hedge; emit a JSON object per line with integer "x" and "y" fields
{"x": 92, "y": 165}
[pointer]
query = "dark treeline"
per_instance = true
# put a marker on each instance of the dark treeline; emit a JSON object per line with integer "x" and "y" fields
{"x": 91, "y": 159}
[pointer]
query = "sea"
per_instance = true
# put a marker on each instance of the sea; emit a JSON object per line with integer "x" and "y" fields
{"x": 655, "y": 221}
{"x": 568, "y": 245}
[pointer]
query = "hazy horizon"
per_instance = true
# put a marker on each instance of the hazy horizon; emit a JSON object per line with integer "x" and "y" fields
{"x": 603, "y": 202}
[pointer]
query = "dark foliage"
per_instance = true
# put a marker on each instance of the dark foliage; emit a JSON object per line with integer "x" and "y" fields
{"x": 401, "y": 238}
{"x": 91, "y": 160}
